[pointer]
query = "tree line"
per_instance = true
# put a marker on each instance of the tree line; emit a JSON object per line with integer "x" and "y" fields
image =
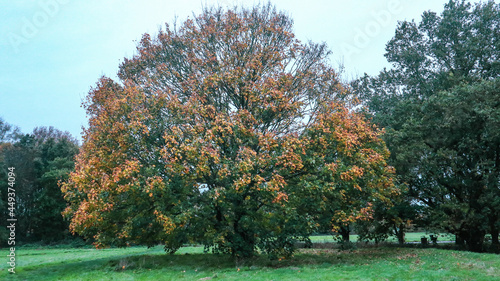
{"x": 41, "y": 159}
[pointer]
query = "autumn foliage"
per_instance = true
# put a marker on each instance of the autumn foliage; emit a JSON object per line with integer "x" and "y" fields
{"x": 225, "y": 131}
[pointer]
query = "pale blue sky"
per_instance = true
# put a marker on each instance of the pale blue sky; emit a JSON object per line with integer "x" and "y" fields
{"x": 53, "y": 51}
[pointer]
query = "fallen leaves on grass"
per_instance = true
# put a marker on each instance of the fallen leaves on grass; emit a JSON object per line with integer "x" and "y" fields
{"x": 407, "y": 256}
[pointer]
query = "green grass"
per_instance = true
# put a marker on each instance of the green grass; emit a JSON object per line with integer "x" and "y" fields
{"x": 409, "y": 237}
{"x": 190, "y": 263}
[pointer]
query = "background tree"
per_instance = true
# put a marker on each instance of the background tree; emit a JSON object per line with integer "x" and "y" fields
{"x": 431, "y": 59}
{"x": 8, "y": 134}
{"x": 40, "y": 159}
{"x": 462, "y": 135}
{"x": 390, "y": 220}
{"x": 224, "y": 131}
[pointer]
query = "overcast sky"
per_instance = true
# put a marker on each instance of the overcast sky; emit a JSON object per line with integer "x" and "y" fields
{"x": 53, "y": 51}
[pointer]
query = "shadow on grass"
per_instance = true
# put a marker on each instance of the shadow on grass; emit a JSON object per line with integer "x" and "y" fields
{"x": 199, "y": 262}
{"x": 64, "y": 269}
{"x": 304, "y": 257}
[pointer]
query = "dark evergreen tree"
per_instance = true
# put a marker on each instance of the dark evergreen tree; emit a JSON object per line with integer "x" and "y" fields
{"x": 41, "y": 160}
{"x": 439, "y": 105}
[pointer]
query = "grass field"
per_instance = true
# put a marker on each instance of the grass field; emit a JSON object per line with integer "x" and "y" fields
{"x": 190, "y": 263}
{"x": 409, "y": 237}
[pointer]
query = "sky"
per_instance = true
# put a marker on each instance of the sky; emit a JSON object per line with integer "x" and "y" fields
{"x": 52, "y": 52}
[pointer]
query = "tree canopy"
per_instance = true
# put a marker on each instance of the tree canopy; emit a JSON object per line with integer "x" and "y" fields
{"x": 225, "y": 131}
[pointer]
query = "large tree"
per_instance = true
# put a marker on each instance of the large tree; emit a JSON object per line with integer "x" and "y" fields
{"x": 463, "y": 164}
{"x": 441, "y": 142}
{"x": 226, "y": 131}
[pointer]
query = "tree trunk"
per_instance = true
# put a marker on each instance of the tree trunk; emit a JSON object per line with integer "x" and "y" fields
{"x": 400, "y": 233}
{"x": 494, "y": 231}
{"x": 459, "y": 240}
{"x": 242, "y": 247}
{"x": 344, "y": 232}
{"x": 494, "y": 237}
{"x": 242, "y": 241}
{"x": 475, "y": 243}
{"x": 473, "y": 238}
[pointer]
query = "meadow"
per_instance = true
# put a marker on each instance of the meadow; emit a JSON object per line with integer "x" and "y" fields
{"x": 410, "y": 237}
{"x": 190, "y": 263}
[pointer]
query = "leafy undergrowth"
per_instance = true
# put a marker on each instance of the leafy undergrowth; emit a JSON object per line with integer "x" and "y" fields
{"x": 190, "y": 263}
